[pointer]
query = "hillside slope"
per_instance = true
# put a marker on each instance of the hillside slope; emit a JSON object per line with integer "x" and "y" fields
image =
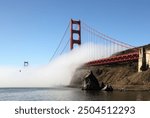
{"x": 120, "y": 76}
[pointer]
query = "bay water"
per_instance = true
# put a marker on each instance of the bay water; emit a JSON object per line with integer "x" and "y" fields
{"x": 69, "y": 94}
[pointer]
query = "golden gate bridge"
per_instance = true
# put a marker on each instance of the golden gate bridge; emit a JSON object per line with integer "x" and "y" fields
{"x": 115, "y": 51}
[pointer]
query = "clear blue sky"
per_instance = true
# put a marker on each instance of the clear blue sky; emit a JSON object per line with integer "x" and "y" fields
{"x": 31, "y": 29}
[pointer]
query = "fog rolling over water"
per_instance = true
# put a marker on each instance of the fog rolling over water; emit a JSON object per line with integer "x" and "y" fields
{"x": 57, "y": 73}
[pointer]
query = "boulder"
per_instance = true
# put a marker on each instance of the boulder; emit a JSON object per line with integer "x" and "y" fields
{"x": 89, "y": 82}
{"x": 107, "y": 88}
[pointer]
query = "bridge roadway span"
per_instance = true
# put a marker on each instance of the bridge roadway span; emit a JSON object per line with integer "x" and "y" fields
{"x": 115, "y": 59}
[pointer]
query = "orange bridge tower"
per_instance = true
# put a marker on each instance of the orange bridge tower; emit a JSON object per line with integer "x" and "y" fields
{"x": 75, "y": 36}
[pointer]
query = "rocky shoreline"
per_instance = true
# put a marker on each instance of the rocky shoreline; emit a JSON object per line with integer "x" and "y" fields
{"x": 121, "y": 77}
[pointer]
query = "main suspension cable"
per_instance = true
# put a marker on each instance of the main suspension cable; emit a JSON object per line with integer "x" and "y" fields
{"x": 60, "y": 42}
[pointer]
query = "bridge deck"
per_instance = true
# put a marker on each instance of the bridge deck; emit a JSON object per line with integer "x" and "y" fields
{"x": 116, "y": 59}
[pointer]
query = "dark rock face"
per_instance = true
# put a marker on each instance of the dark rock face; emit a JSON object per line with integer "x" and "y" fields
{"x": 87, "y": 80}
{"x": 107, "y": 88}
{"x": 90, "y": 82}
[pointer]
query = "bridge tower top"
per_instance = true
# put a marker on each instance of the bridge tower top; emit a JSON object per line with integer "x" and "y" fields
{"x": 75, "y": 36}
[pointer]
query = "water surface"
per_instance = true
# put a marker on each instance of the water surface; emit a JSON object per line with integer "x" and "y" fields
{"x": 69, "y": 94}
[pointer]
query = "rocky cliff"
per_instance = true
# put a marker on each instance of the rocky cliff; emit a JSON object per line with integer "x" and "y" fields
{"x": 122, "y": 76}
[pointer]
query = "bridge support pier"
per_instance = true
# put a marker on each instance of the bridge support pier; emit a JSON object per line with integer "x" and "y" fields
{"x": 143, "y": 61}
